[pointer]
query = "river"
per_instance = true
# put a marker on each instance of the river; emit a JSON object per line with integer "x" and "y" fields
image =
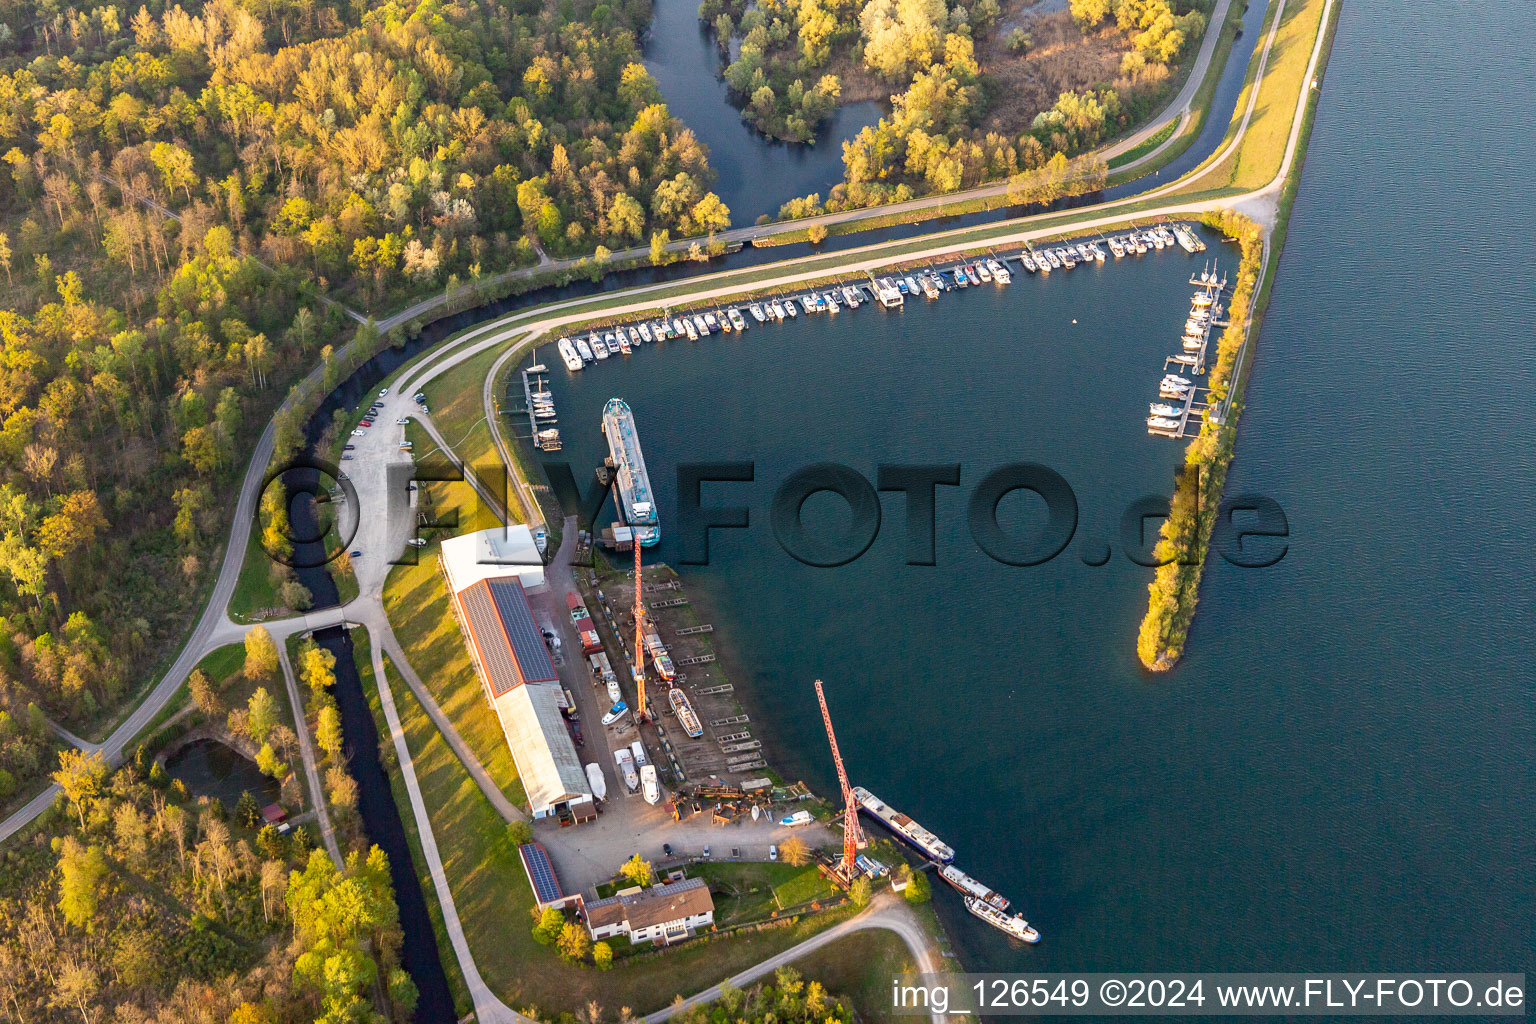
{"x": 1337, "y": 776}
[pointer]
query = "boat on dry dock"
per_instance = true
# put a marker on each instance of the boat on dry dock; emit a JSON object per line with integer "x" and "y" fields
{"x": 686, "y": 716}
{"x": 904, "y": 826}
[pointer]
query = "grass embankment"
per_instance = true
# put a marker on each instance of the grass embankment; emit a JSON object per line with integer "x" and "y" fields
{"x": 1257, "y": 160}
{"x": 1162, "y": 135}
{"x": 223, "y": 667}
{"x": 417, "y": 604}
{"x": 860, "y": 967}
{"x": 454, "y": 398}
{"x": 361, "y": 653}
{"x": 755, "y": 891}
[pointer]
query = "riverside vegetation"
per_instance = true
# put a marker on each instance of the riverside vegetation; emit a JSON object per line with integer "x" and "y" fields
{"x": 968, "y": 106}
{"x": 1185, "y": 537}
{"x": 131, "y": 902}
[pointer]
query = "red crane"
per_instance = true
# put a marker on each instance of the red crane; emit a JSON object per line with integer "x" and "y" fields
{"x": 640, "y": 711}
{"x": 853, "y": 838}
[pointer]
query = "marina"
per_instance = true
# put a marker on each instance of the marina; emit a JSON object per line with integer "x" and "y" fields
{"x": 1181, "y": 397}
{"x": 539, "y": 405}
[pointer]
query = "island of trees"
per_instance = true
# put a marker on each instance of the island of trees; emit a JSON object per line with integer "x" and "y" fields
{"x": 977, "y": 92}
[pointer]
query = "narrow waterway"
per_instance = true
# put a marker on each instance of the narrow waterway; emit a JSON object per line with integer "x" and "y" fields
{"x": 419, "y": 954}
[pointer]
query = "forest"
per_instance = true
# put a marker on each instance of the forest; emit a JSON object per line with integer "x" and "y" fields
{"x": 956, "y": 75}
{"x": 190, "y": 195}
{"x": 130, "y": 902}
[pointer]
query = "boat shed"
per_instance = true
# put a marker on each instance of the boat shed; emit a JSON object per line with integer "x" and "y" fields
{"x": 542, "y": 877}
{"x": 520, "y": 683}
{"x": 510, "y": 550}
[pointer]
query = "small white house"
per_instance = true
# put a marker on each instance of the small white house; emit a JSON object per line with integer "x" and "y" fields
{"x": 664, "y": 913}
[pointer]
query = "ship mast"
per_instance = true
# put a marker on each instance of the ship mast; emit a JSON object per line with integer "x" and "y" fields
{"x": 639, "y": 635}
{"x": 852, "y": 836}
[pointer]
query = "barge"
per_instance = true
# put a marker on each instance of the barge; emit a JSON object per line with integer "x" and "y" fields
{"x": 639, "y": 511}
{"x": 965, "y": 885}
{"x": 1015, "y": 925}
{"x": 903, "y": 826}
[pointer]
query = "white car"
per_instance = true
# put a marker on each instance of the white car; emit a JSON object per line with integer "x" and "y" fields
{"x": 383, "y": 392}
{"x": 405, "y": 446}
{"x": 773, "y": 853}
{"x": 359, "y": 432}
{"x": 402, "y": 421}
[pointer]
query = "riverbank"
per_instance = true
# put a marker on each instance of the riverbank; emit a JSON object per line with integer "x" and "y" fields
{"x": 1195, "y": 507}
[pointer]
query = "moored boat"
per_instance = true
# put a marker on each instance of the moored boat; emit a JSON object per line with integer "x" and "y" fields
{"x": 1015, "y": 926}
{"x": 968, "y": 886}
{"x": 568, "y": 355}
{"x": 904, "y": 826}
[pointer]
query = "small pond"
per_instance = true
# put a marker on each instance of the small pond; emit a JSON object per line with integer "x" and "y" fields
{"x": 211, "y": 768}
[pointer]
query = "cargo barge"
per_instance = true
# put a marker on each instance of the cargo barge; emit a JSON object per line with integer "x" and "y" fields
{"x": 639, "y": 503}
{"x": 903, "y": 826}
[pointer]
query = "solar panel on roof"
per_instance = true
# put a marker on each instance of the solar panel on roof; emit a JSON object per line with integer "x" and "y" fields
{"x": 527, "y": 642}
{"x": 541, "y": 873}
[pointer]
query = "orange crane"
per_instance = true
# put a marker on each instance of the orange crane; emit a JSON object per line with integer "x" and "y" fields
{"x": 639, "y": 638}
{"x": 853, "y": 837}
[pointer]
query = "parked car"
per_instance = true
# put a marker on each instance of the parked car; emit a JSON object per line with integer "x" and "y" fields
{"x": 773, "y": 853}
{"x": 356, "y": 554}
{"x": 666, "y": 849}
{"x": 348, "y": 458}
{"x": 348, "y": 447}
{"x": 405, "y": 446}
{"x": 402, "y": 421}
{"x": 383, "y": 392}
{"x": 357, "y": 433}
{"x": 706, "y": 853}
{"x": 366, "y": 423}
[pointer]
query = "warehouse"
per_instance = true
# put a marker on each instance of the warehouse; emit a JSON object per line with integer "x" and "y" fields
{"x": 520, "y": 683}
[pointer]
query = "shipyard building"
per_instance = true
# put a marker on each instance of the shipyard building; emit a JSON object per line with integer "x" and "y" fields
{"x": 517, "y": 676}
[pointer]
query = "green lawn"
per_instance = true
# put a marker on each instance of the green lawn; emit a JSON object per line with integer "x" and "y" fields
{"x": 859, "y": 967}
{"x": 254, "y": 592}
{"x": 417, "y": 603}
{"x": 454, "y": 399}
{"x": 755, "y": 891}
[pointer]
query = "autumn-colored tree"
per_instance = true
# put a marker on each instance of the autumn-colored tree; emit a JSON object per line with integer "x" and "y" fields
{"x": 328, "y": 732}
{"x": 204, "y": 697}
{"x": 795, "y": 852}
{"x": 574, "y": 942}
{"x": 83, "y": 874}
{"x": 260, "y": 654}
{"x": 637, "y": 871}
{"x": 81, "y": 776}
{"x": 262, "y": 712}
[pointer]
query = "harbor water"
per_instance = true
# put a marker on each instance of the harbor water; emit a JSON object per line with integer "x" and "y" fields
{"x": 1338, "y": 774}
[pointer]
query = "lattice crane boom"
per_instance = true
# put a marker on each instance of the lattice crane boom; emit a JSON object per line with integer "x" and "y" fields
{"x": 639, "y": 638}
{"x": 853, "y": 837}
